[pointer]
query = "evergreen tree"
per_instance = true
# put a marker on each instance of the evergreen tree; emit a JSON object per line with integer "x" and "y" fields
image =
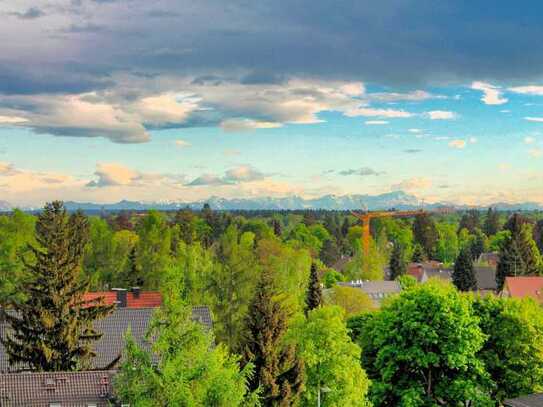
{"x": 470, "y": 221}
{"x": 425, "y": 233}
{"x": 510, "y": 262}
{"x": 330, "y": 253}
{"x": 538, "y": 235}
{"x": 278, "y": 373}
{"x": 345, "y": 227}
{"x": 479, "y": 244}
{"x": 398, "y": 265}
{"x": 52, "y": 330}
{"x": 277, "y": 228}
{"x": 463, "y": 276}
{"x": 492, "y": 222}
{"x": 418, "y": 254}
{"x": 314, "y": 290}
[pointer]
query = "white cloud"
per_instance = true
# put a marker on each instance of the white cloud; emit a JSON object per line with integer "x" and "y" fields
{"x": 373, "y": 112}
{"x": 414, "y": 130}
{"x": 536, "y": 152}
{"x": 529, "y": 140}
{"x": 415, "y": 96}
{"x": 236, "y": 175}
{"x": 492, "y": 95}
{"x": 458, "y": 144}
{"x": 505, "y": 111}
{"x": 12, "y": 120}
{"x": 472, "y": 140}
{"x": 534, "y": 119}
{"x": 182, "y": 143}
{"x": 240, "y": 125}
{"x": 528, "y": 90}
{"x": 413, "y": 184}
{"x": 375, "y": 122}
{"x": 440, "y": 115}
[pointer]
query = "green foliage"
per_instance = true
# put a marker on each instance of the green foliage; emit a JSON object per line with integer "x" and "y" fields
{"x": 52, "y": 328}
{"x": 421, "y": 350}
{"x": 331, "y": 359}
{"x": 447, "y": 246}
{"x": 513, "y": 350}
{"x": 196, "y": 266}
{"x": 191, "y": 370}
{"x": 279, "y": 373}
{"x": 352, "y": 300}
{"x": 418, "y": 254}
{"x": 406, "y": 281}
{"x": 471, "y": 221}
{"x": 369, "y": 267}
{"x": 491, "y": 225}
{"x": 496, "y": 242}
{"x": 331, "y": 277}
{"x": 398, "y": 263}
{"x": 425, "y": 233}
{"x": 313, "y": 298}
{"x": 330, "y": 252}
{"x": 463, "y": 276}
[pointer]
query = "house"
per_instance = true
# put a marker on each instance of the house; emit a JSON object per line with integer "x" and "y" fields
{"x": 52, "y": 389}
{"x": 430, "y": 269}
{"x": 133, "y": 298}
{"x": 533, "y": 400}
{"x": 376, "y": 290}
{"x": 486, "y": 279}
{"x": 522, "y": 287}
{"x": 110, "y": 346}
{"x": 490, "y": 258}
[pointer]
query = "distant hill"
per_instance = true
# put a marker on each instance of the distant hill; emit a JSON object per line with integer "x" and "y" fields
{"x": 389, "y": 200}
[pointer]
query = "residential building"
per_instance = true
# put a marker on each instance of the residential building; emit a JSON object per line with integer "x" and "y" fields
{"x": 532, "y": 400}
{"x": 133, "y": 298}
{"x": 376, "y": 290}
{"x": 522, "y": 287}
{"x": 430, "y": 269}
{"x": 486, "y": 279}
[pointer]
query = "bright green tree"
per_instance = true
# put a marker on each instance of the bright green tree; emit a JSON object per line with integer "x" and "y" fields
{"x": 352, "y": 300}
{"x": 513, "y": 350}
{"x": 331, "y": 359}
{"x": 463, "y": 276}
{"x": 421, "y": 349}
{"x": 190, "y": 369}
{"x": 52, "y": 329}
{"x": 447, "y": 246}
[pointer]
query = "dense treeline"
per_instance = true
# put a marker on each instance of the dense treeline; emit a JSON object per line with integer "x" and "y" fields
{"x": 279, "y": 339}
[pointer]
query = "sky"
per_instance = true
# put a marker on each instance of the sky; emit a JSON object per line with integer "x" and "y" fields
{"x": 175, "y": 100}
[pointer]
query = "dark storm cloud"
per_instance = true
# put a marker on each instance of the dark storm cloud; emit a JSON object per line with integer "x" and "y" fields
{"x": 393, "y": 42}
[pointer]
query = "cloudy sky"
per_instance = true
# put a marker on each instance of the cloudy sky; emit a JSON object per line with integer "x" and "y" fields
{"x": 102, "y": 100}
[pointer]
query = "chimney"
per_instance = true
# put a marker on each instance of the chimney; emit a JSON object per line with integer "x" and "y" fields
{"x": 136, "y": 292}
{"x": 121, "y": 297}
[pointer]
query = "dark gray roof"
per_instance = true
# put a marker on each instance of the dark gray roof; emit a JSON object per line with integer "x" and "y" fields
{"x": 114, "y": 327}
{"x": 65, "y": 388}
{"x": 486, "y": 278}
{"x": 533, "y": 400}
{"x": 444, "y": 274}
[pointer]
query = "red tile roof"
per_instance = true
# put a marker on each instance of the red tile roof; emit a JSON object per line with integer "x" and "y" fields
{"x": 146, "y": 299}
{"x": 521, "y": 287}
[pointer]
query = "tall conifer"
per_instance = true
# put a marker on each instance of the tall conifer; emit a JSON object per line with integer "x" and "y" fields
{"x": 463, "y": 276}
{"x": 52, "y": 330}
{"x": 314, "y": 291}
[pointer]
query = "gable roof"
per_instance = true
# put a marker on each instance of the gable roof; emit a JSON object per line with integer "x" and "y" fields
{"x": 525, "y": 286}
{"x": 533, "y": 400}
{"x": 486, "y": 277}
{"x": 134, "y": 299}
{"x": 41, "y": 389}
{"x": 110, "y": 346}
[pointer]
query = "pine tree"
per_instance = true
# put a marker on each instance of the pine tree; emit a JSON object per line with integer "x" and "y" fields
{"x": 398, "y": 267}
{"x": 278, "y": 373}
{"x": 492, "y": 222}
{"x": 418, "y": 254}
{"x": 52, "y": 330}
{"x": 314, "y": 291}
{"x": 463, "y": 276}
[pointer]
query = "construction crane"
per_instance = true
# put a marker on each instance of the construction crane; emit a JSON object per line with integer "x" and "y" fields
{"x": 366, "y": 218}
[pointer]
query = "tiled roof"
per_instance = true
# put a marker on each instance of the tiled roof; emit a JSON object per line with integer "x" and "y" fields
{"x": 145, "y": 299}
{"x": 65, "y": 388}
{"x": 533, "y": 400}
{"x": 521, "y": 287}
{"x": 109, "y": 347}
{"x": 486, "y": 277}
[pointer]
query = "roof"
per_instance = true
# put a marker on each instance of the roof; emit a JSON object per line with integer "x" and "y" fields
{"x": 109, "y": 347}
{"x": 42, "y": 389}
{"x": 526, "y": 286}
{"x": 486, "y": 277}
{"x": 444, "y": 274}
{"x": 376, "y": 290}
{"x": 533, "y": 400}
{"x": 145, "y": 299}
{"x": 489, "y": 257}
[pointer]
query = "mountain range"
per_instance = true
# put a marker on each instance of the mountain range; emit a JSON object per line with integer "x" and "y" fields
{"x": 391, "y": 200}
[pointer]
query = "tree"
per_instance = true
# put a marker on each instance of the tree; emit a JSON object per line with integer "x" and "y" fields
{"x": 331, "y": 277}
{"x": 418, "y": 254}
{"x": 447, "y": 245}
{"x": 52, "y": 330}
{"x": 510, "y": 262}
{"x": 279, "y": 374}
{"x": 277, "y": 227}
{"x": 332, "y": 360}
{"x": 470, "y": 221}
{"x": 463, "y": 276}
{"x": 538, "y": 235}
{"x": 352, "y": 300}
{"x": 513, "y": 350}
{"x": 398, "y": 265}
{"x": 479, "y": 245}
{"x": 425, "y": 233}
{"x": 313, "y": 297}
{"x": 421, "y": 349}
{"x": 491, "y": 225}
{"x": 330, "y": 252}
{"x": 190, "y": 369}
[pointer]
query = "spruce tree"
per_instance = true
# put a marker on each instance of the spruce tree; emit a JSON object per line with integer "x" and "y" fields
{"x": 52, "y": 330}
{"x": 314, "y": 291}
{"x": 278, "y": 372}
{"x": 538, "y": 235}
{"x": 398, "y": 267}
{"x": 510, "y": 262}
{"x": 418, "y": 254}
{"x": 463, "y": 276}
